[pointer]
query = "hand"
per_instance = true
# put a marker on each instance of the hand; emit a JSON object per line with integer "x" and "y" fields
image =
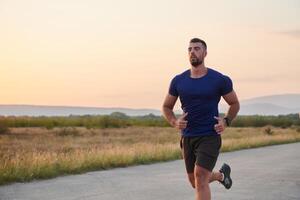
{"x": 181, "y": 123}
{"x": 220, "y": 126}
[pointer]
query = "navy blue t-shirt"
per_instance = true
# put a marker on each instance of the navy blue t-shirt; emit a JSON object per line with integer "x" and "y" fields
{"x": 200, "y": 97}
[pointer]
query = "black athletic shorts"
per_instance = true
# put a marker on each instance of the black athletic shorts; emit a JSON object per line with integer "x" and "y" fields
{"x": 200, "y": 150}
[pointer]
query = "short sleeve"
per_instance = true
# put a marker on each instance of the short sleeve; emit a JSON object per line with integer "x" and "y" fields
{"x": 226, "y": 85}
{"x": 173, "y": 87}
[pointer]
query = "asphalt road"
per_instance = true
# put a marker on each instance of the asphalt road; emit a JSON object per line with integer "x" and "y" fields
{"x": 269, "y": 173}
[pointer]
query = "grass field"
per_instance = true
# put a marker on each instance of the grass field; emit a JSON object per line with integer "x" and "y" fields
{"x": 37, "y": 153}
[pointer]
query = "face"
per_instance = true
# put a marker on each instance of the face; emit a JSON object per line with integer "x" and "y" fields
{"x": 197, "y": 53}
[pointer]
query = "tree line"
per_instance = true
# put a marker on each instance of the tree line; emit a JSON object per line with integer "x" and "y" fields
{"x": 119, "y": 120}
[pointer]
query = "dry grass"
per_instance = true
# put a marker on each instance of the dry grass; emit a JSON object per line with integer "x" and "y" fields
{"x": 244, "y": 138}
{"x": 31, "y": 153}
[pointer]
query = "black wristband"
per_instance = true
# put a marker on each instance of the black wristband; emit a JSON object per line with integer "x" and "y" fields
{"x": 227, "y": 121}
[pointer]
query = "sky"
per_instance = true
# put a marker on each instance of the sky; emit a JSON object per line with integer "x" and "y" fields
{"x": 124, "y": 53}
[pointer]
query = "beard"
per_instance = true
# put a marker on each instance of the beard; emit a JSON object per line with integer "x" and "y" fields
{"x": 195, "y": 61}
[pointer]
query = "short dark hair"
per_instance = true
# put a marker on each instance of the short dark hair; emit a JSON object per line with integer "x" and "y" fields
{"x": 195, "y": 40}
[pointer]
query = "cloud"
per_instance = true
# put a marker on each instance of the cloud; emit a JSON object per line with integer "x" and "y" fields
{"x": 292, "y": 33}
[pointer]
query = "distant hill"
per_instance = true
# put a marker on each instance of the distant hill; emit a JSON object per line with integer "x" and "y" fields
{"x": 265, "y": 105}
{"x": 269, "y": 105}
{"x": 33, "y": 110}
{"x": 285, "y": 100}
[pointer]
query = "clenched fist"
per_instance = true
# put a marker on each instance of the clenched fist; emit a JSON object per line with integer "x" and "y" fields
{"x": 181, "y": 123}
{"x": 220, "y": 126}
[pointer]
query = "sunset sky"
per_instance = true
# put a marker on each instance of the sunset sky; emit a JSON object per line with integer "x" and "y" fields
{"x": 124, "y": 53}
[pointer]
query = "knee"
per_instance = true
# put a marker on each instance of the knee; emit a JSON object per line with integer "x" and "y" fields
{"x": 202, "y": 177}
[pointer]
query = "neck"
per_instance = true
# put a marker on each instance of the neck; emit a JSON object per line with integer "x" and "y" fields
{"x": 198, "y": 71}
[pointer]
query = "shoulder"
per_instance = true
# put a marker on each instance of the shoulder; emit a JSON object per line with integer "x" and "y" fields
{"x": 216, "y": 74}
{"x": 183, "y": 74}
{"x": 224, "y": 82}
{"x": 180, "y": 76}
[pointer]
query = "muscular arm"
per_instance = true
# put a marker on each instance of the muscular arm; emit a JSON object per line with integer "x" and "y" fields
{"x": 167, "y": 109}
{"x": 234, "y": 105}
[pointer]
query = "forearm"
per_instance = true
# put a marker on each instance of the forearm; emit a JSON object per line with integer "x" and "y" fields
{"x": 169, "y": 115}
{"x": 233, "y": 110}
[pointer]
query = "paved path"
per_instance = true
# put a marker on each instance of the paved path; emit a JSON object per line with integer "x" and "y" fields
{"x": 269, "y": 173}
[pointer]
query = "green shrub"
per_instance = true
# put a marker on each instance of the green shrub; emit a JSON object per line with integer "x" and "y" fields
{"x": 3, "y": 129}
{"x": 268, "y": 130}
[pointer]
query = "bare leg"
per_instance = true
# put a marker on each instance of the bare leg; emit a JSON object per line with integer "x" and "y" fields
{"x": 202, "y": 178}
{"x": 215, "y": 176}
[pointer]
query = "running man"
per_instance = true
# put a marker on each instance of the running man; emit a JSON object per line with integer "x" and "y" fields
{"x": 200, "y": 89}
